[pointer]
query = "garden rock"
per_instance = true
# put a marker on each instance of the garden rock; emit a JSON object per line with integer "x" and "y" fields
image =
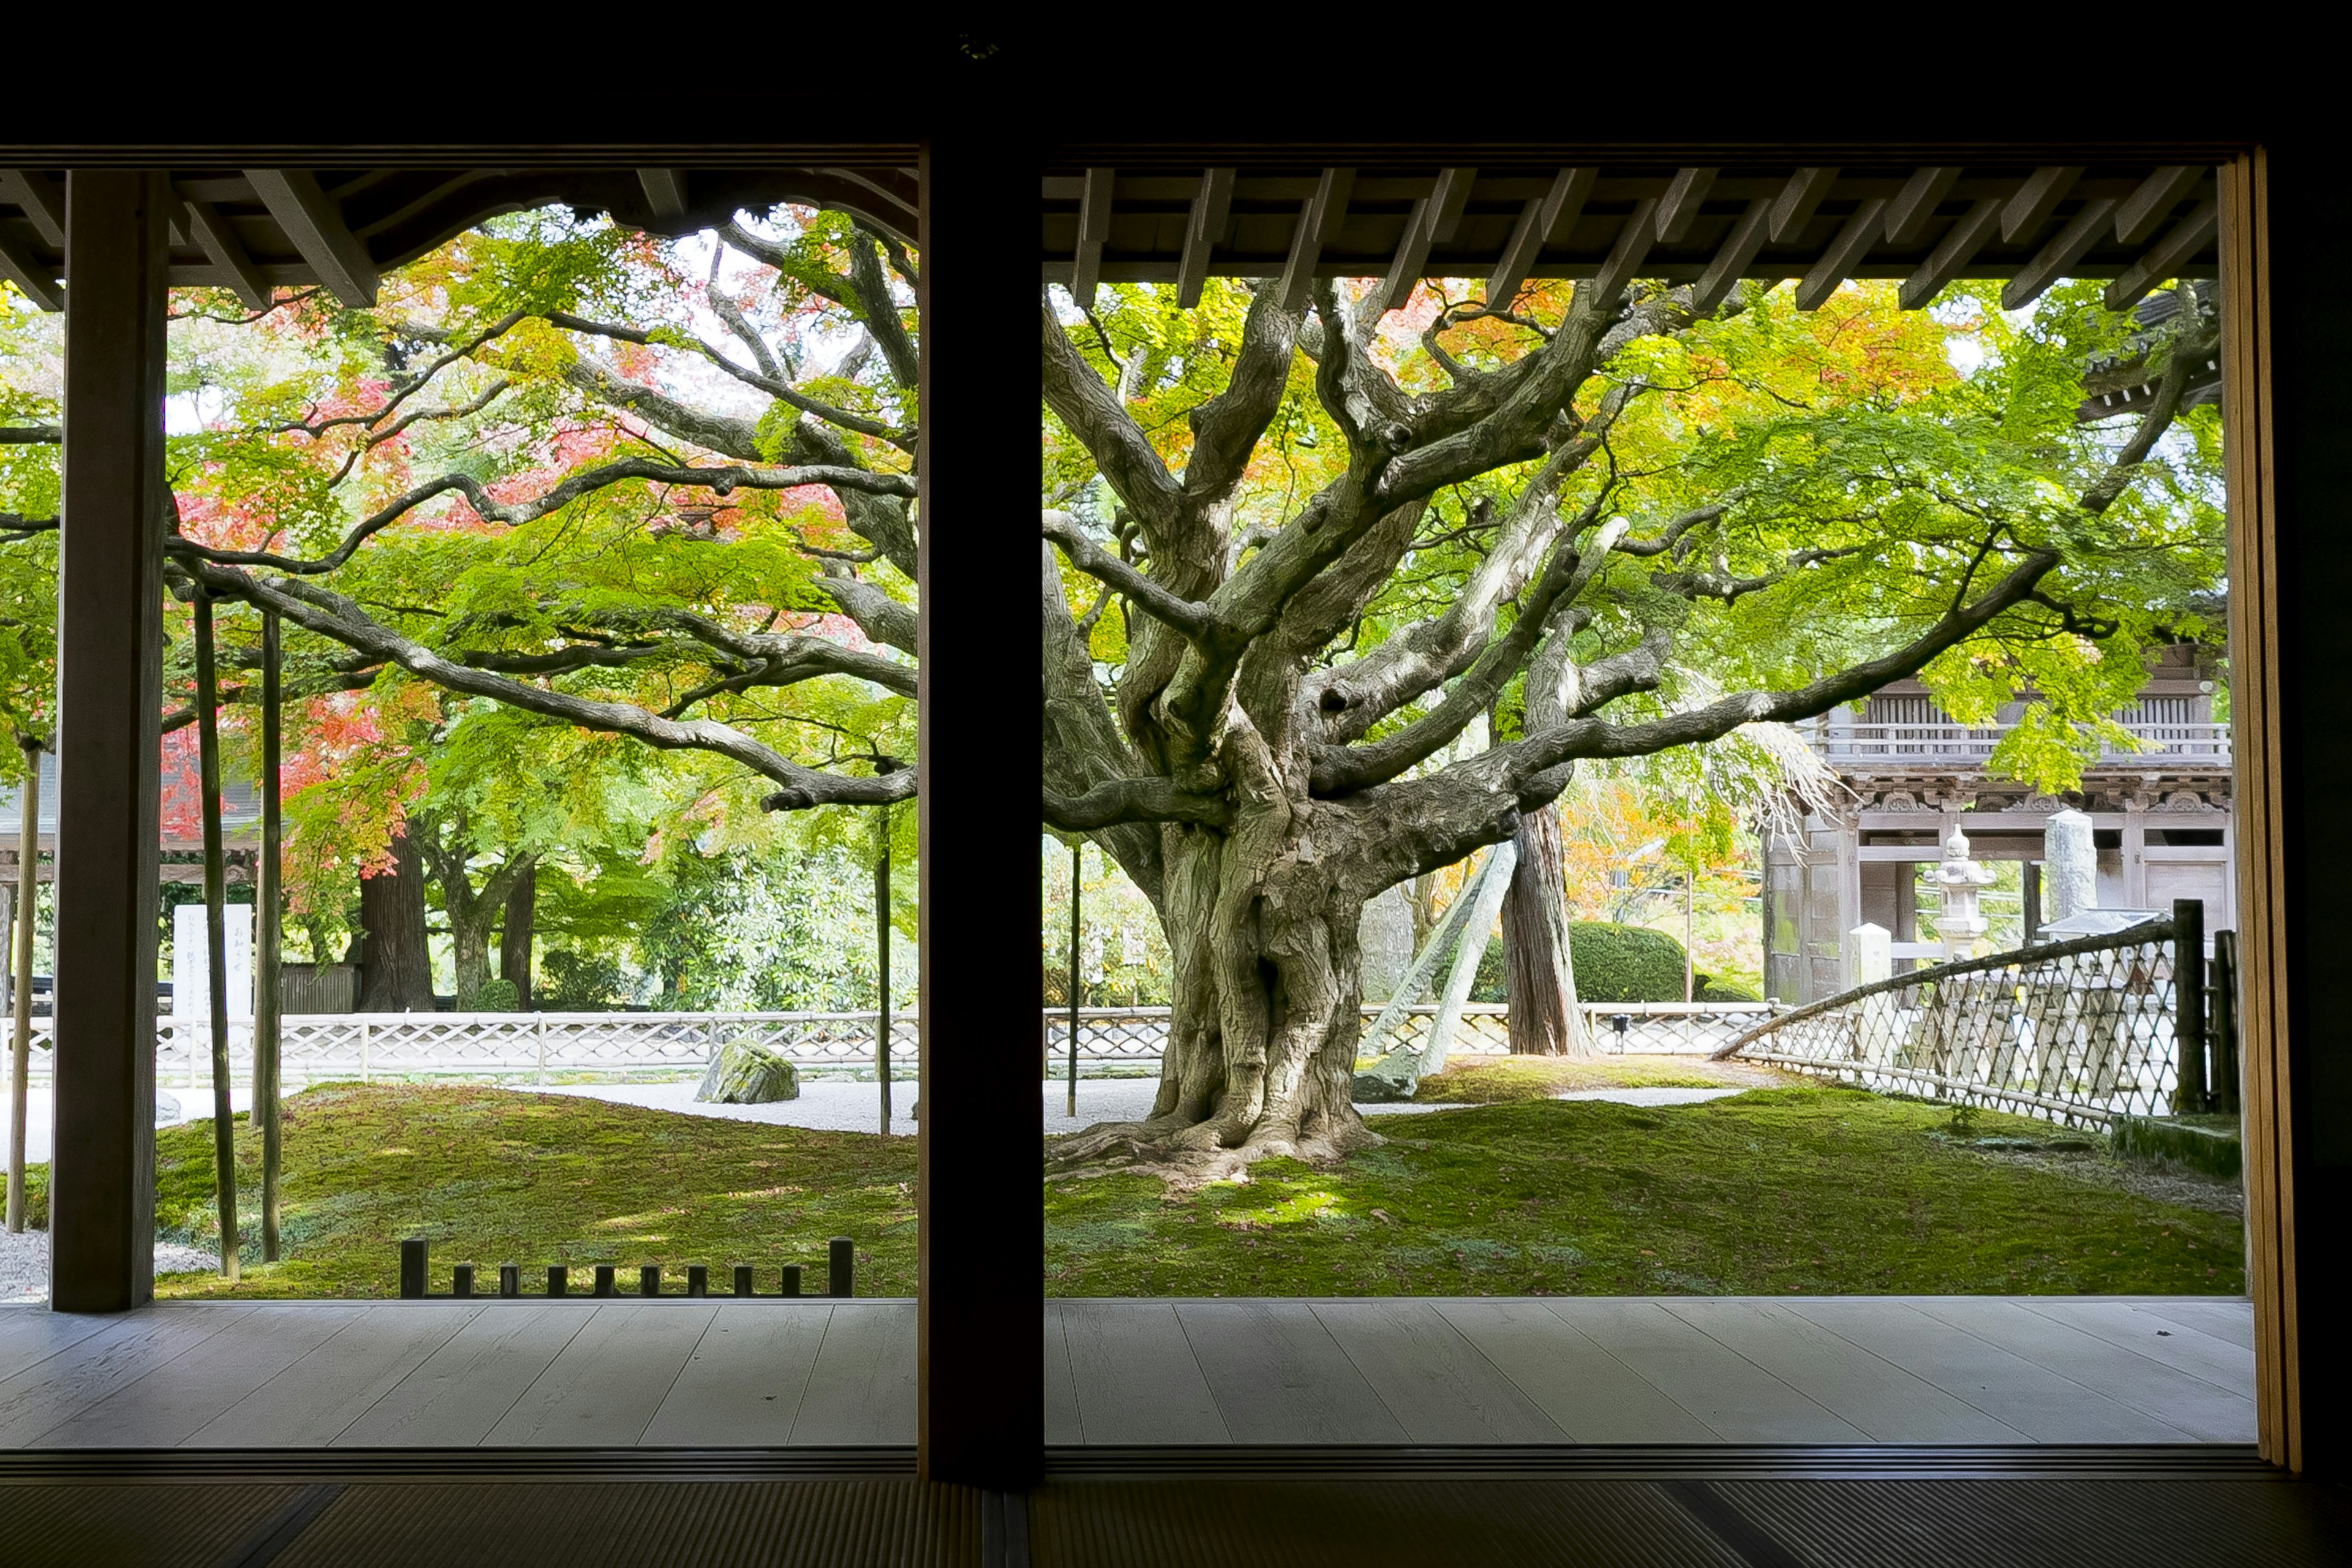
{"x": 748, "y": 1074}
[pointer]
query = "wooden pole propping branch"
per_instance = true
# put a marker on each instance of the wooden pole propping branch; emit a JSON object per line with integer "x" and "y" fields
{"x": 882, "y": 961}
{"x": 1077, "y": 869}
{"x": 267, "y": 914}
{"x": 2189, "y": 1095}
{"x": 2221, "y": 1024}
{"x": 28, "y": 893}
{"x": 216, "y": 939}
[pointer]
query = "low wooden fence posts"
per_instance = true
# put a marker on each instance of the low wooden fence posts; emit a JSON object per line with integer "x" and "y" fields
{"x": 415, "y": 1260}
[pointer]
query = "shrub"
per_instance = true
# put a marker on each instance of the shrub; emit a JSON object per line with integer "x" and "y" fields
{"x": 1613, "y": 963}
{"x": 1713, "y": 990}
{"x": 1625, "y": 963}
{"x": 497, "y": 995}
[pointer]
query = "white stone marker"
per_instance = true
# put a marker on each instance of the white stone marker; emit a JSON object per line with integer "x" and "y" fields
{"x": 192, "y": 988}
{"x": 2072, "y": 863}
{"x": 1869, "y": 954}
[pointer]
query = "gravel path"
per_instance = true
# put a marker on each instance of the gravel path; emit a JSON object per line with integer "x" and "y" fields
{"x": 24, "y": 1264}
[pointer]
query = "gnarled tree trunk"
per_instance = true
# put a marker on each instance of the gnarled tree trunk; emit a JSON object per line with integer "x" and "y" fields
{"x": 515, "y": 935}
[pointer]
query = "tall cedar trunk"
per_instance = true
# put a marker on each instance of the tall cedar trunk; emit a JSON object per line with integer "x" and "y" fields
{"x": 1541, "y": 981}
{"x": 397, "y": 967}
{"x": 514, "y": 939}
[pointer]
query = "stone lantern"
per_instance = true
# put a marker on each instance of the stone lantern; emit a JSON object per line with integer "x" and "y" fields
{"x": 1957, "y": 879}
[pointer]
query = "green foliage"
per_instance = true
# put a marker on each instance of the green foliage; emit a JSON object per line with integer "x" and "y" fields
{"x": 496, "y": 994}
{"x": 573, "y": 983}
{"x": 1624, "y": 963}
{"x": 1492, "y": 983}
{"x": 1709, "y": 989}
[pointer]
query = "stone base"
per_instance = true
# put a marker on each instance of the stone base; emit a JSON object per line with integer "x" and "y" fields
{"x": 2207, "y": 1143}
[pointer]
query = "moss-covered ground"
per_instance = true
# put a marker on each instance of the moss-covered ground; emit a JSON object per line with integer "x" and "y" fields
{"x": 1494, "y": 1080}
{"x": 1805, "y": 1190}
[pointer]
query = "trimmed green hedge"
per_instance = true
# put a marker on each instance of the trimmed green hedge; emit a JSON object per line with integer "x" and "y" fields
{"x": 1613, "y": 963}
{"x": 1713, "y": 990}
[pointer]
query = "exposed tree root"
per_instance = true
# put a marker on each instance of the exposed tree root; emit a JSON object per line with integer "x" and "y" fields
{"x": 1187, "y": 1156}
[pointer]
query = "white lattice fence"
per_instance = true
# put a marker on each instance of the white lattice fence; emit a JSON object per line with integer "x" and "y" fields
{"x": 365, "y": 1045}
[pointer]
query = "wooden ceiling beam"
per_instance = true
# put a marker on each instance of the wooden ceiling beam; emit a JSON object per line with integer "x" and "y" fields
{"x": 43, "y": 199}
{"x": 1971, "y": 233}
{"x": 1542, "y": 220}
{"x": 1632, "y": 247}
{"x": 1318, "y": 222}
{"x": 2143, "y": 211}
{"x": 664, "y": 191}
{"x": 2164, "y": 258}
{"x": 209, "y": 233}
{"x": 1731, "y": 261}
{"x": 1680, "y": 205}
{"x": 1435, "y": 217}
{"x": 1908, "y": 213}
{"x": 19, "y": 267}
{"x": 1845, "y": 253}
{"x": 1794, "y": 208}
{"x": 2036, "y": 200}
{"x": 1094, "y": 231}
{"x": 2069, "y": 245}
{"x": 1204, "y": 231}
{"x": 314, "y": 225}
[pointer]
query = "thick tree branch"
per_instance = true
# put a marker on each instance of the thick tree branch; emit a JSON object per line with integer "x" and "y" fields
{"x": 1186, "y": 616}
{"x": 1133, "y": 800}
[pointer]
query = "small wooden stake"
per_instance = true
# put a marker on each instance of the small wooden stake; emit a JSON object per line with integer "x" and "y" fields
{"x": 842, "y": 1255}
{"x": 604, "y": 1280}
{"x": 215, "y": 940}
{"x": 649, "y": 1279}
{"x": 698, "y": 1280}
{"x": 510, "y": 1281}
{"x": 743, "y": 1279}
{"x": 461, "y": 1279}
{"x": 790, "y": 1282}
{"x": 559, "y": 1280}
{"x": 412, "y": 1267}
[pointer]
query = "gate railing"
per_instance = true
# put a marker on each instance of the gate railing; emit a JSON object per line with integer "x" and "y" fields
{"x": 2078, "y": 1032}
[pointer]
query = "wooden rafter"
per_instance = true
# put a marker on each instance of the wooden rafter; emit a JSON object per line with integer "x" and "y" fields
{"x": 1318, "y": 221}
{"x": 1845, "y": 252}
{"x": 314, "y": 225}
{"x": 1633, "y": 242}
{"x": 1094, "y": 231}
{"x": 2036, "y": 200}
{"x": 1679, "y": 206}
{"x": 2167, "y": 256}
{"x": 2143, "y": 211}
{"x": 1540, "y": 220}
{"x": 1204, "y": 230}
{"x": 42, "y": 199}
{"x": 1908, "y": 213}
{"x": 209, "y": 233}
{"x": 1732, "y": 261}
{"x": 20, "y": 266}
{"x": 1949, "y": 259}
{"x": 1433, "y": 219}
{"x": 1797, "y": 201}
{"x": 2065, "y": 248}
{"x": 664, "y": 191}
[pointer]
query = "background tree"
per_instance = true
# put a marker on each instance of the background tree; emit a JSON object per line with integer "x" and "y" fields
{"x": 1335, "y": 539}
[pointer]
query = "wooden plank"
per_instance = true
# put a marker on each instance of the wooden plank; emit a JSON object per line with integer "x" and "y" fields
{"x": 1891, "y": 1405}
{"x": 1433, "y": 218}
{"x": 2229, "y": 1320}
{"x": 2067, "y": 247}
{"x": 1685, "y": 195}
{"x": 314, "y": 224}
{"x": 55, "y": 1390}
{"x": 2043, "y": 1405}
{"x": 602, "y": 1390}
{"x": 2227, "y": 1363}
{"x": 460, "y": 1391}
{"x": 2143, "y": 211}
{"x": 1279, "y": 1377}
{"x": 862, "y": 1388}
{"x": 1732, "y": 258}
{"x": 162, "y": 1409}
{"x": 2030, "y": 206}
{"x": 1094, "y": 228}
{"x": 2163, "y": 258}
{"x": 1845, "y": 254}
{"x": 1541, "y": 221}
{"x": 42, "y": 199}
{"x": 2198, "y": 1405}
{"x": 1914, "y": 204}
{"x": 1063, "y": 1423}
{"x": 310, "y": 1403}
{"x": 1632, "y": 247}
{"x": 1971, "y": 233}
{"x": 1318, "y": 221}
{"x": 743, "y": 1385}
{"x": 1134, "y": 1375}
{"x": 1437, "y": 1384}
{"x": 1739, "y": 1401}
{"x": 1585, "y": 1390}
{"x": 1204, "y": 231}
{"x": 31, "y": 1334}
{"x": 1794, "y": 208}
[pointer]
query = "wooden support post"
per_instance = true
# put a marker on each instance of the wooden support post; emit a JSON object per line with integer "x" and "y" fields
{"x": 215, "y": 932}
{"x": 604, "y": 1280}
{"x": 510, "y": 1281}
{"x": 1077, "y": 890}
{"x": 267, "y": 1000}
{"x": 559, "y": 1280}
{"x": 2188, "y": 1095}
{"x": 2221, "y": 1025}
{"x": 840, "y": 1267}
{"x": 743, "y": 1279}
{"x": 413, "y": 1263}
{"x": 20, "y": 1045}
{"x": 461, "y": 1279}
{"x": 882, "y": 961}
{"x": 698, "y": 1280}
{"x": 109, "y": 684}
{"x": 979, "y": 1351}
{"x": 649, "y": 1279}
{"x": 789, "y": 1281}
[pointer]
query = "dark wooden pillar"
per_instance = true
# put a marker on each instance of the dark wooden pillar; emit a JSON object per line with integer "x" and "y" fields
{"x": 109, "y": 643}
{"x": 980, "y": 1340}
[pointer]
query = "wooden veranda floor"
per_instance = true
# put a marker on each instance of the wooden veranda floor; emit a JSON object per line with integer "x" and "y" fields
{"x": 761, "y": 1375}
